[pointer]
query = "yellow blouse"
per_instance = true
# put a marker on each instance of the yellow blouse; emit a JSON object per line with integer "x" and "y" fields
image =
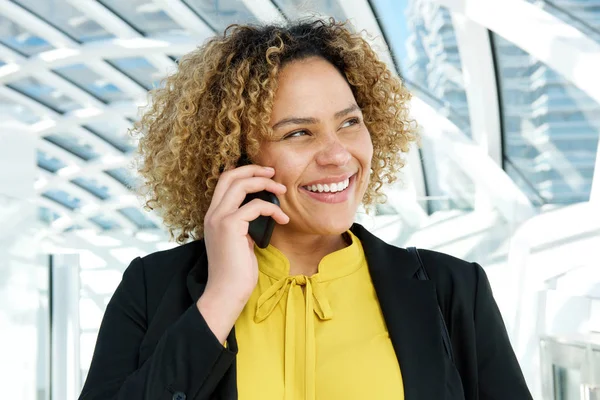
{"x": 321, "y": 337}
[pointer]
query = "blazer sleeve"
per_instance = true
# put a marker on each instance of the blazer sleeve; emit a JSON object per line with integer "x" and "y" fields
{"x": 499, "y": 373}
{"x": 188, "y": 360}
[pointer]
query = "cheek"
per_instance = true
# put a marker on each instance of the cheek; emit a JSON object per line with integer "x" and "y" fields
{"x": 365, "y": 156}
{"x": 284, "y": 162}
{"x": 364, "y": 151}
{"x": 288, "y": 169}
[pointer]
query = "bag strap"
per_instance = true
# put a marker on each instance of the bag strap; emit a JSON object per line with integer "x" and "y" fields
{"x": 422, "y": 276}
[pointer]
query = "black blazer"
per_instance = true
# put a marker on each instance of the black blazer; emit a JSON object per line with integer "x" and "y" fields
{"x": 154, "y": 343}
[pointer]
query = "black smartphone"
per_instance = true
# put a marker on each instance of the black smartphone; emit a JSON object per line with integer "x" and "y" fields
{"x": 261, "y": 228}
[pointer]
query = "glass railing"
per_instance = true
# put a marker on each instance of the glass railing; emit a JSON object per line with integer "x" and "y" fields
{"x": 570, "y": 368}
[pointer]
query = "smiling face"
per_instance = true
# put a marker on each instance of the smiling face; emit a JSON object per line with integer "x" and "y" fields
{"x": 320, "y": 143}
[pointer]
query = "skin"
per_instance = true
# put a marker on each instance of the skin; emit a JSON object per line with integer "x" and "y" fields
{"x": 331, "y": 144}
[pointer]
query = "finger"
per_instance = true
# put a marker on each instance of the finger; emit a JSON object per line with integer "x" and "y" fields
{"x": 231, "y": 175}
{"x": 257, "y": 207}
{"x": 239, "y": 189}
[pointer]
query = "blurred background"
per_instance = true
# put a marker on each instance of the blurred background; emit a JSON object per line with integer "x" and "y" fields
{"x": 507, "y": 97}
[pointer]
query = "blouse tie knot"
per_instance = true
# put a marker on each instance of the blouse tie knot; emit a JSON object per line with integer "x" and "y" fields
{"x": 315, "y": 302}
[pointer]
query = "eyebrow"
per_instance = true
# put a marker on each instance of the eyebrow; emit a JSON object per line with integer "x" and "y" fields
{"x": 309, "y": 120}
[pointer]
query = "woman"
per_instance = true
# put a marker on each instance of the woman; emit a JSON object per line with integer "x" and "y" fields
{"x": 327, "y": 310}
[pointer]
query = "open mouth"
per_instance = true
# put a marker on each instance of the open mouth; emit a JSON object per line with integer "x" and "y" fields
{"x": 330, "y": 193}
{"x": 329, "y": 188}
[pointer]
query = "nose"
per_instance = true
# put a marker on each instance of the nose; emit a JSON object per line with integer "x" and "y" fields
{"x": 333, "y": 153}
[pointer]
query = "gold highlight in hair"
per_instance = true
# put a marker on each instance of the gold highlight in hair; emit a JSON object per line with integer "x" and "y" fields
{"x": 219, "y": 103}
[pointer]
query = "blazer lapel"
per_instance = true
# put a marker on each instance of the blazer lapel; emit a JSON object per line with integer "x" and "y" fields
{"x": 198, "y": 276}
{"x": 409, "y": 307}
{"x": 410, "y": 310}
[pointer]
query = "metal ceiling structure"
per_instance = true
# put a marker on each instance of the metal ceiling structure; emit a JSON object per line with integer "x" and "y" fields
{"x": 73, "y": 73}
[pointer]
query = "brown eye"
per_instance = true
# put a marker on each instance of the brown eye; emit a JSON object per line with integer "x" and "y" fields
{"x": 352, "y": 121}
{"x": 296, "y": 134}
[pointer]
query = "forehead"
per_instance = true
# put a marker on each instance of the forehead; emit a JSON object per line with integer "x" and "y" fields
{"x": 311, "y": 85}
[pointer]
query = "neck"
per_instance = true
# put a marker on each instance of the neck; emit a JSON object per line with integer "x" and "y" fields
{"x": 305, "y": 251}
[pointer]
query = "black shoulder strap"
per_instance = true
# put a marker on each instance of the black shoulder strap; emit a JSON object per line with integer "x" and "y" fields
{"x": 422, "y": 276}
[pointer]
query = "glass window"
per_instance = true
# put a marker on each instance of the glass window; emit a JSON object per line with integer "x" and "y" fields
{"x": 515, "y": 96}
{"x": 123, "y": 175}
{"x": 295, "y": 9}
{"x": 139, "y": 69}
{"x": 74, "y": 145}
{"x": 9, "y": 110}
{"x": 63, "y": 198}
{"x": 45, "y": 94}
{"x": 535, "y": 123}
{"x": 145, "y": 16}
{"x": 138, "y": 218}
{"x": 67, "y": 19}
{"x": 46, "y": 215}
{"x": 114, "y": 134}
{"x": 48, "y": 162}
{"x": 565, "y": 132}
{"x": 92, "y": 186}
{"x": 219, "y": 14}
{"x": 104, "y": 222}
{"x": 93, "y": 83}
{"x": 581, "y": 14}
{"x": 422, "y": 40}
{"x": 447, "y": 184}
{"x": 526, "y": 186}
{"x": 567, "y": 383}
{"x": 18, "y": 38}
{"x": 423, "y": 43}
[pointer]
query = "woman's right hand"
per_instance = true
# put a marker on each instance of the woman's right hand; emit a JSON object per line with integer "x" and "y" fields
{"x": 232, "y": 265}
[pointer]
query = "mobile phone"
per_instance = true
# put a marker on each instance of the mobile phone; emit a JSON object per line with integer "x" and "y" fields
{"x": 261, "y": 229}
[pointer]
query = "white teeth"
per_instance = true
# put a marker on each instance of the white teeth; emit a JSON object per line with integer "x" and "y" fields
{"x": 329, "y": 188}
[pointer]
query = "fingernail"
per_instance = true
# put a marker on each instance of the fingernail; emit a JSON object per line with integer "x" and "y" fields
{"x": 269, "y": 168}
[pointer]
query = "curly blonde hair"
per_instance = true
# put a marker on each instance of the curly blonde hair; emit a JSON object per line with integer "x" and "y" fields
{"x": 218, "y": 104}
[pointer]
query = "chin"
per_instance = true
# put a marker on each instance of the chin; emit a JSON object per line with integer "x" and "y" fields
{"x": 334, "y": 227}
